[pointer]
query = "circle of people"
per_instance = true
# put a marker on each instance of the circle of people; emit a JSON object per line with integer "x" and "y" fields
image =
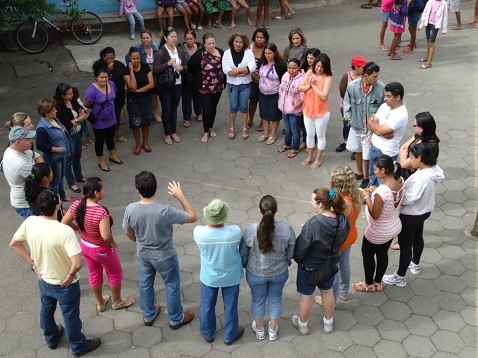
{"x": 398, "y": 195}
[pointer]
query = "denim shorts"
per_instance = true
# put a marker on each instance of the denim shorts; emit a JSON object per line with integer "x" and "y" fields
{"x": 385, "y": 16}
{"x": 431, "y": 33}
{"x": 306, "y": 289}
{"x": 239, "y": 97}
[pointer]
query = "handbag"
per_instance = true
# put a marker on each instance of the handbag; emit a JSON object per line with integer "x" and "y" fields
{"x": 92, "y": 118}
{"x": 326, "y": 268}
{"x": 166, "y": 79}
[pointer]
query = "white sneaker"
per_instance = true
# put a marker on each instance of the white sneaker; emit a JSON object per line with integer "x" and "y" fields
{"x": 394, "y": 279}
{"x": 131, "y": 36}
{"x": 199, "y": 28}
{"x": 302, "y": 327}
{"x": 193, "y": 26}
{"x": 260, "y": 334}
{"x": 273, "y": 333}
{"x": 414, "y": 268}
{"x": 328, "y": 325}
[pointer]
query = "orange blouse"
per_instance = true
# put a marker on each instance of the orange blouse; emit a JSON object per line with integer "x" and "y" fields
{"x": 314, "y": 106}
{"x": 353, "y": 233}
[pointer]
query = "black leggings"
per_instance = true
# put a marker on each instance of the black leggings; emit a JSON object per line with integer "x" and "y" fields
{"x": 369, "y": 251}
{"x": 102, "y": 136}
{"x": 410, "y": 237}
{"x": 209, "y": 108}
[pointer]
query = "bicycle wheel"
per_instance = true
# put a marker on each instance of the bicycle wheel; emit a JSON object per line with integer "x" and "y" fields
{"x": 87, "y": 28}
{"x": 32, "y": 37}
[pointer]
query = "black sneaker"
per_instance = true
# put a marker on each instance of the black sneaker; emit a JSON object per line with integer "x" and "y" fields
{"x": 364, "y": 184}
{"x": 61, "y": 332}
{"x": 240, "y": 332}
{"x": 358, "y": 176}
{"x": 90, "y": 346}
{"x": 340, "y": 148}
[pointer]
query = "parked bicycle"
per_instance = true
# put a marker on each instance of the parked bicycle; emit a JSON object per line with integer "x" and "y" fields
{"x": 86, "y": 27}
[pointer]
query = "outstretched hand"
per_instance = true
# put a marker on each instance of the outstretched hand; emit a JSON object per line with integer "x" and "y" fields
{"x": 174, "y": 189}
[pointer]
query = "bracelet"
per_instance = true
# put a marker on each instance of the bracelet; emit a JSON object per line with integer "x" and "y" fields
{"x": 367, "y": 197}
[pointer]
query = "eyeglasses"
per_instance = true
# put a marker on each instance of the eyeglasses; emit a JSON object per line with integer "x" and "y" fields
{"x": 415, "y": 125}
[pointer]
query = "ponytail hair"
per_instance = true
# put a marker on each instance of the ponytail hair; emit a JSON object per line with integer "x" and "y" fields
{"x": 33, "y": 180}
{"x": 265, "y": 229}
{"x": 91, "y": 187}
{"x": 330, "y": 199}
{"x": 390, "y": 166}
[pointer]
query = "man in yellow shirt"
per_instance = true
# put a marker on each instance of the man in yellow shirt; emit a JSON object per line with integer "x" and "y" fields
{"x": 55, "y": 257}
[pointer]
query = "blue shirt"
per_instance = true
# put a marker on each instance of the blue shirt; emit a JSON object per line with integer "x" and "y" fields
{"x": 221, "y": 264}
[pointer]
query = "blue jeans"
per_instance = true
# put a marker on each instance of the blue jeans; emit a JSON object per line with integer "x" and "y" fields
{"x": 69, "y": 300}
{"x": 73, "y": 160}
{"x": 239, "y": 97}
{"x": 58, "y": 167}
{"x": 267, "y": 288}
{"x": 130, "y": 18}
{"x": 169, "y": 271}
{"x": 292, "y": 132}
{"x": 342, "y": 277}
{"x": 374, "y": 153}
{"x": 23, "y": 212}
{"x": 230, "y": 297}
{"x": 169, "y": 99}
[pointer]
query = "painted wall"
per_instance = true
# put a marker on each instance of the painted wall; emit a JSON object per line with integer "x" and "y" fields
{"x": 107, "y": 6}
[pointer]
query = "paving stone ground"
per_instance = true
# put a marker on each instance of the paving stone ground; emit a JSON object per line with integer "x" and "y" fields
{"x": 433, "y": 316}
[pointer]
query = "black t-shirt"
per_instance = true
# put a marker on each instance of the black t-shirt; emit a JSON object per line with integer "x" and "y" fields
{"x": 116, "y": 75}
{"x": 141, "y": 81}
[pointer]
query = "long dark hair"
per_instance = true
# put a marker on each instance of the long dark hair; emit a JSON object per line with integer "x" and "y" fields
{"x": 91, "y": 187}
{"x": 60, "y": 91}
{"x": 33, "y": 180}
{"x": 425, "y": 153}
{"x": 390, "y": 166}
{"x": 265, "y": 229}
{"x": 271, "y": 47}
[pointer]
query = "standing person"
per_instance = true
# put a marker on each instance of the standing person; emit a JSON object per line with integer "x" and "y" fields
{"x": 388, "y": 125}
{"x": 317, "y": 85}
{"x": 221, "y": 268}
{"x": 139, "y": 79}
{"x": 53, "y": 141}
{"x": 189, "y": 93}
{"x": 357, "y": 63}
{"x": 235, "y": 7}
{"x": 115, "y": 73}
{"x": 149, "y": 224}
{"x": 263, "y": 6}
{"x": 474, "y": 20}
{"x": 206, "y": 67}
{"x": 455, "y": 7}
{"x": 382, "y": 211}
{"x": 54, "y": 256}
{"x": 38, "y": 180}
{"x": 297, "y": 45}
{"x": 17, "y": 162}
{"x": 267, "y": 248}
{"x": 362, "y": 99}
{"x": 434, "y": 18}
{"x": 321, "y": 237}
{"x": 85, "y": 128}
{"x": 271, "y": 69}
{"x": 100, "y": 96}
{"x": 71, "y": 114}
{"x": 129, "y": 10}
{"x": 93, "y": 221}
{"x": 290, "y": 103}
{"x": 398, "y": 19}
{"x": 342, "y": 179}
{"x": 417, "y": 204}
{"x": 259, "y": 39}
{"x": 238, "y": 63}
{"x": 168, "y": 6}
{"x": 168, "y": 56}
{"x": 20, "y": 119}
{"x": 286, "y": 11}
{"x": 415, "y": 9}
{"x": 385, "y": 10}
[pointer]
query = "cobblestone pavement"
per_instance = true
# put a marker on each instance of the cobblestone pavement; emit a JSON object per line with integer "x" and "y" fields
{"x": 433, "y": 316}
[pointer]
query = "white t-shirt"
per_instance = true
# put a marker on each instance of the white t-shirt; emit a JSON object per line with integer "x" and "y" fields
{"x": 16, "y": 167}
{"x": 397, "y": 120}
{"x": 174, "y": 54}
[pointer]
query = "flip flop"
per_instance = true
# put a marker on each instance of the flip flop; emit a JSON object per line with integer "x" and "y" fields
{"x": 199, "y": 118}
{"x": 425, "y": 66}
{"x": 306, "y": 162}
{"x": 315, "y": 165}
{"x": 289, "y": 15}
{"x": 423, "y": 59}
{"x": 456, "y": 28}
{"x": 218, "y": 25}
{"x": 283, "y": 148}
{"x": 101, "y": 308}
{"x": 366, "y": 6}
{"x": 363, "y": 287}
{"x": 271, "y": 141}
{"x": 278, "y": 17}
{"x": 408, "y": 50}
{"x": 186, "y": 123}
{"x": 123, "y": 304}
{"x": 396, "y": 58}
{"x": 147, "y": 149}
{"x": 293, "y": 153}
{"x": 472, "y": 22}
{"x": 137, "y": 151}
{"x": 232, "y": 27}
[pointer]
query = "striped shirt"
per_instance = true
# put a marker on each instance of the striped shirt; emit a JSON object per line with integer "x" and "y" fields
{"x": 388, "y": 223}
{"x": 93, "y": 215}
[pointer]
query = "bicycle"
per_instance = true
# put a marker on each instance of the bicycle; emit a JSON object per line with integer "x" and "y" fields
{"x": 86, "y": 27}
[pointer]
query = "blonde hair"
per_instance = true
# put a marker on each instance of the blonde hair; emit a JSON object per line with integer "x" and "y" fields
{"x": 342, "y": 178}
{"x": 18, "y": 119}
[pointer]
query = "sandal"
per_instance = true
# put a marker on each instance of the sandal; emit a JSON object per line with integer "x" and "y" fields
{"x": 123, "y": 304}
{"x": 212, "y": 134}
{"x": 378, "y": 286}
{"x": 175, "y": 137}
{"x": 271, "y": 141}
{"x": 218, "y": 25}
{"x": 232, "y": 133}
{"x": 168, "y": 140}
{"x": 205, "y": 138}
{"x": 396, "y": 58}
{"x": 363, "y": 287}
{"x": 306, "y": 162}
{"x": 408, "y": 50}
{"x": 147, "y": 149}
{"x": 245, "y": 133}
{"x": 395, "y": 246}
{"x": 121, "y": 139}
{"x": 186, "y": 123}
{"x": 424, "y": 59}
{"x": 289, "y": 15}
{"x": 366, "y": 6}
{"x": 472, "y": 21}
{"x": 260, "y": 128}
{"x": 101, "y": 308}
{"x": 316, "y": 165}
{"x": 283, "y": 148}
{"x": 137, "y": 151}
{"x": 278, "y": 17}
{"x": 199, "y": 118}
{"x": 293, "y": 153}
{"x": 456, "y": 28}
{"x": 425, "y": 66}
{"x": 384, "y": 48}
{"x": 318, "y": 300}
{"x": 262, "y": 138}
